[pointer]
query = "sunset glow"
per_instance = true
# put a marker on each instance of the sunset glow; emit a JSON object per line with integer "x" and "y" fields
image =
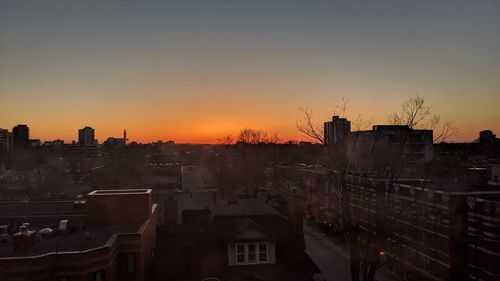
{"x": 194, "y": 73}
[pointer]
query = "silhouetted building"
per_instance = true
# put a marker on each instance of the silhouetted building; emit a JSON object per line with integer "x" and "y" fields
{"x": 112, "y": 142}
{"x": 109, "y": 236}
{"x": 6, "y": 141}
{"x": 21, "y": 135}
{"x": 487, "y": 137}
{"x": 57, "y": 142}
{"x": 35, "y": 142}
{"x": 337, "y": 130}
{"x": 86, "y": 136}
{"x": 373, "y": 149}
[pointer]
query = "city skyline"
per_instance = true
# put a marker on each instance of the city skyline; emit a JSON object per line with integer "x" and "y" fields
{"x": 196, "y": 71}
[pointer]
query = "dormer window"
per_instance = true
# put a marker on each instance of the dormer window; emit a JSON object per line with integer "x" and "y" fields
{"x": 252, "y": 253}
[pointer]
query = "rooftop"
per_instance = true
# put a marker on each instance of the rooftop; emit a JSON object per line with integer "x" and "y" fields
{"x": 18, "y": 209}
{"x": 244, "y": 207}
{"x": 68, "y": 242}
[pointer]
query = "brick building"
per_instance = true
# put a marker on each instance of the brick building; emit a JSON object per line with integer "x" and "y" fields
{"x": 483, "y": 220}
{"x": 108, "y": 236}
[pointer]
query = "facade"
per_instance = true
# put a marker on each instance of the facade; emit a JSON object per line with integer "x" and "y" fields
{"x": 20, "y": 135}
{"x": 230, "y": 240}
{"x": 431, "y": 237}
{"x": 6, "y": 141}
{"x": 108, "y": 236}
{"x": 86, "y": 136}
{"x": 438, "y": 233}
{"x": 483, "y": 220}
{"x": 337, "y": 130}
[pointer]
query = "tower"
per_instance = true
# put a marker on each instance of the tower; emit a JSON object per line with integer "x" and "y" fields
{"x": 20, "y": 135}
{"x": 86, "y": 136}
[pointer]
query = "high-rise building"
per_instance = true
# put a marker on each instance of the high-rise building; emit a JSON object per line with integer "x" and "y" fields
{"x": 5, "y": 140}
{"x": 21, "y": 135}
{"x": 487, "y": 137}
{"x": 86, "y": 136}
{"x": 337, "y": 130}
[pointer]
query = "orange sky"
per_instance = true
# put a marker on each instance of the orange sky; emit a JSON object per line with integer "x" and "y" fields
{"x": 195, "y": 71}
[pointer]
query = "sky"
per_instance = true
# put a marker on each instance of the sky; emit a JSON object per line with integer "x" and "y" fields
{"x": 194, "y": 71}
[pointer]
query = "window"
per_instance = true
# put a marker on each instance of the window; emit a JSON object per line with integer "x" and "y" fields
{"x": 240, "y": 253}
{"x": 252, "y": 253}
{"x": 126, "y": 264}
{"x": 96, "y": 276}
{"x": 262, "y": 252}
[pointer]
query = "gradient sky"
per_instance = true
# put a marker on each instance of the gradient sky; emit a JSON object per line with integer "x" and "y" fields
{"x": 193, "y": 71}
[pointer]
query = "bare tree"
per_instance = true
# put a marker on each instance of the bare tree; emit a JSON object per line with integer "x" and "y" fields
{"x": 307, "y": 126}
{"x": 251, "y": 136}
{"x": 366, "y": 247}
{"x": 227, "y": 139}
{"x": 416, "y": 114}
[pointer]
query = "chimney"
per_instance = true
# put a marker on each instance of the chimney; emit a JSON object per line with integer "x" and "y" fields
{"x": 296, "y": 214}
{"x": 171, "y": 213}
{"x": 24, "y": 239}
{"x": 79, "y": 206}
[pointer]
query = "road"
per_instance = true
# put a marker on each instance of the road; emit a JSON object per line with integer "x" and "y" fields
{"x": 331, "y": 259}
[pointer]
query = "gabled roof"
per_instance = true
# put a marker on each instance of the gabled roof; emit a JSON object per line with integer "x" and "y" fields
{"x": 249, "y": 230}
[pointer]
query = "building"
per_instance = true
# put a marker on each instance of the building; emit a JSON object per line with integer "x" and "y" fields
{"x": 483, "y": 220}
{"x": 86, "y": 136}
{"x": 487, "y": 137}
{"x": 439, "y": 231}
{"x": 57, "y": 142}
{"x": 112, "y": 142}
{"x": 21, "y": 135}
{"x": 378, "y": 147}
{"x": 193, "y": 178}
{"x": 6, "y": 141}
{"x": 110, "y": 235}
{"x": 337, "y": 130}
{"x": 231, "y": 240}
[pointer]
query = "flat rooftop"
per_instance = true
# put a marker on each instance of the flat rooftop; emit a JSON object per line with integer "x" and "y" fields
{"x": 18, "y": 209}
{"x": 68, "y": 242}
{"x": 119, "y": 191}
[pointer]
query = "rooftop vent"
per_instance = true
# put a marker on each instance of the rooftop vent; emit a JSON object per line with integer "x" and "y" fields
{"x": 4, "y": 229}
{"x": 46, "y": 231}
{"x": 4, "y": 237}
{"x": 63, "y": 225}
{"x": 88, "y": 235}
